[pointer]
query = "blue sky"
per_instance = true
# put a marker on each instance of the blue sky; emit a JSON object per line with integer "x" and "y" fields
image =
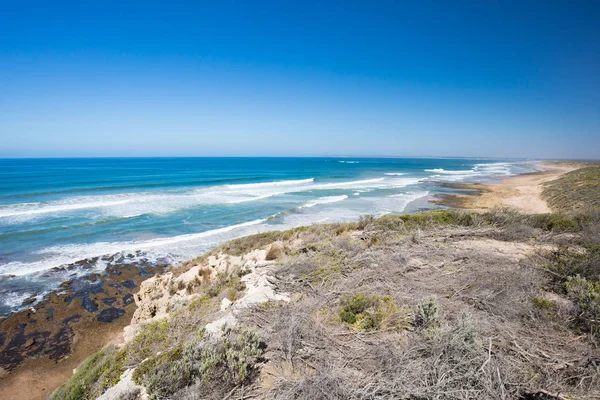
{"x": 300, "y": 78}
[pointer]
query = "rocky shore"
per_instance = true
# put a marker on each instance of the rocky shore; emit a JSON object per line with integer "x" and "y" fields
{"x": 42, "y": 344}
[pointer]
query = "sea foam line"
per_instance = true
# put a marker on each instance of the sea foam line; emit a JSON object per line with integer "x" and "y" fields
{"x": 443, "y": 171}
{"x": 151, "y": 243}
{"x": 268, "y": 184}
{"x": 68, "y": 254}
{"x": 62, "y": 208}
{"x": 324, "y": 200}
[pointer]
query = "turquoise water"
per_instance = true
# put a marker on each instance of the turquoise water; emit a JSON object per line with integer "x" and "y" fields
{"x": 55, "y": 212}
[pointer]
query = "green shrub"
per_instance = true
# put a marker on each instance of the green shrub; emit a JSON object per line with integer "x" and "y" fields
{"x": 543, "y": 303}
{"x": 99, "y": 372}
{"x": 231, "y": 284}
{"x": 163, "y": 375}
{"x": 546, "y": 306}
{"x": 565, "y": 262}
{"x": 150, "y": 339}
{"x": 243, "y": 245}
{"x": 215, "y": 364}
{"x": 368, "y": 313}
{"x": 364, "y": 221}
{"x": 587, "y": 296}
{"x": 427, "y": 314}
{"x": 561, "y": 223}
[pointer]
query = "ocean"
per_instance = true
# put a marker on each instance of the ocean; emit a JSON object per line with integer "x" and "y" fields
{"x": 57, "y": 212}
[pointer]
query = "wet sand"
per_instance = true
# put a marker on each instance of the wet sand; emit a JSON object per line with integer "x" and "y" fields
{"x": 40, "y": 346}
{"x": 522, "y": 192}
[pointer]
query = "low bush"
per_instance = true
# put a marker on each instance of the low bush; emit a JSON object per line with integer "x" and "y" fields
{"x": 566, "y": 262}
{"x": 99, "y": 372}
{"x": 231, "y": 285}
{"x": 275, "y": 251}
{"x": 163, "y": 374}
{"x": 556, "y": 222}
{"x": 587, "y": 296}
{"x": 365, "y": 220}
{"x": 422, "y": 220}
{"x": 545, "y": 306}
{"x": 150, "y": 339}
{"x": 214, "y": 364}
{"x": 243, "y": 245}
{"x": 368, "y": 313}
{"x": 427, "y": 314}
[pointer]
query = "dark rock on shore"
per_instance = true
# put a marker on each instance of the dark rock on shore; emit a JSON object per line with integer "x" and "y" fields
{"x": 109, "y": 300}
{"x": 80, "y": 307}
{"x": 110, "y": 314}
{"x": 128, "y": 299}
{"x": 129, "y": 284}
{"x": 30, "y": 300}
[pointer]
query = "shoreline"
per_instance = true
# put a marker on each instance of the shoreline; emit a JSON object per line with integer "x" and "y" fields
{"x": 521, "y": 192}
{"x": 42, "y": 345}
{"x": 35, "y": 377}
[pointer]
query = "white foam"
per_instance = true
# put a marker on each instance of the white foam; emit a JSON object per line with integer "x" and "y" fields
{"x": 481, "y": 170}
{"x": 101, "y": 248}
{"x": 347, "y": 184}
{"x": 186, "y": 245}
{"x": 500, "y": 168}
{"x": 394, "y": 173}
{"x": 37, "y": 208}
{"x": 268, "y": 184}
{"x": 128, "y": 205}
{"x": 13, "y": 299}
{"x": 443, "y": 171}
{"x": 364, "y": 184}
{"x": 397, "y": 202}
{"x": 254, "y": 198}
{"x": 324, "y": 200}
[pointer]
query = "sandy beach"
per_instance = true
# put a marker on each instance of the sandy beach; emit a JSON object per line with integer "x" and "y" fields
{"x": 521, "y": 192}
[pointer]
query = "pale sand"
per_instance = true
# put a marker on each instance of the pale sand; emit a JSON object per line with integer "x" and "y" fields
{"x": 37, "y": 378}
{"x": 522, "y": 192}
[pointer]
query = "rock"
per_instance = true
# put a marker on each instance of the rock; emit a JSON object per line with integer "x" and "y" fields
{"x": 128, "y": 299}
{"x": 225, "y": 303}
{"x": 109, "y": 300}
{"x": 216, "y": 327}
{"x": 110, "y": 314}
{"x": 3, "y": 372}
{"x": 129, "y": 284}
{"x": 125, "y": 389}
{"x": 153, "y": 298}
{"x": 88, "y": 304}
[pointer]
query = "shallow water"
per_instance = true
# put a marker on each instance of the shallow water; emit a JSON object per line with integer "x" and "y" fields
{"x": 56, "y": 212}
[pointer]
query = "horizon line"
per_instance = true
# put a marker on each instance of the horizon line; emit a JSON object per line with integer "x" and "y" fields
{"x": 304, "y": 156}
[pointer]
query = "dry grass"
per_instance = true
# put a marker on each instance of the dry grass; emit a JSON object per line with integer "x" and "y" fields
{"x": 483, "y": 338}
{"x": 575, "y": 191}
{"x": 441, "y": 305}
{"x": 275, "y": 251}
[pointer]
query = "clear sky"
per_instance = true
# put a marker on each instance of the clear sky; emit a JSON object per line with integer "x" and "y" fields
{"x": 300, "y": 78}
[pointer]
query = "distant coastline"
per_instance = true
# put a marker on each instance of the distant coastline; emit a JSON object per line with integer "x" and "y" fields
{"x": 522, "y": 192}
